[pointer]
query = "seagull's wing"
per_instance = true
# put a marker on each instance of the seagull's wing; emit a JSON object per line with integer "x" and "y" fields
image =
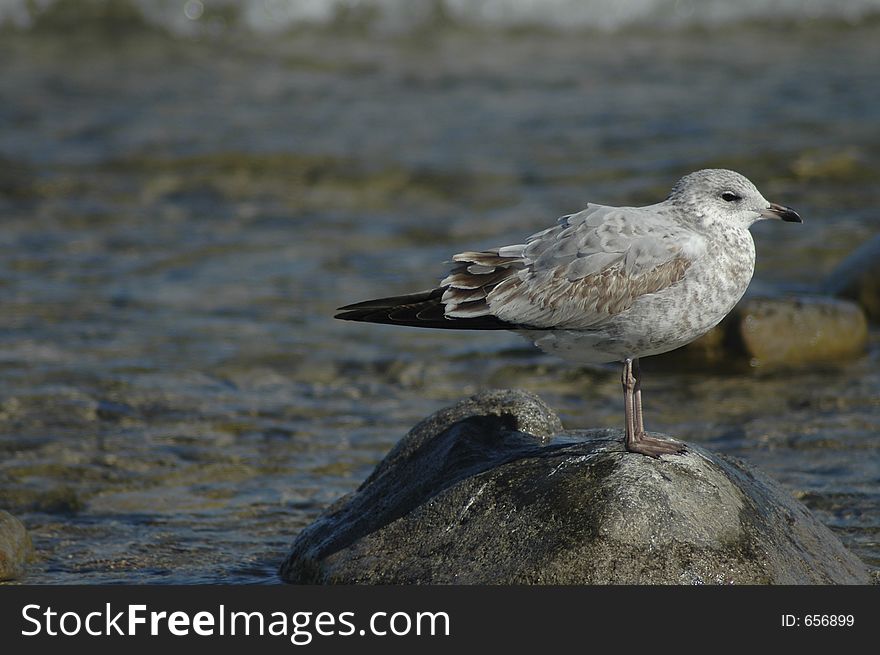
{"x": 577, "y": 274}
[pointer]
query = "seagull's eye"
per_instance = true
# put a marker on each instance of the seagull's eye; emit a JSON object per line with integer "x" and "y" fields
{"x": 730, "y": 196}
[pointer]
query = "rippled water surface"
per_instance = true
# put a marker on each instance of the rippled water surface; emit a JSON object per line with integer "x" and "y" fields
{"x": 180, "y": 217}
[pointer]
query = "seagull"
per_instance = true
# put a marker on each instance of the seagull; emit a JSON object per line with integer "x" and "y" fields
{"x": 606, "y": 284}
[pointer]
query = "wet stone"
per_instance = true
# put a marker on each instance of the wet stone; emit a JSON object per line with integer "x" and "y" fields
{"x": 858, "y": 278}
{"x": 469, "y": 496}
{"x": 16, "y": 549}
{"x": 800, "y": 330}
{"x": 783, "y": 331}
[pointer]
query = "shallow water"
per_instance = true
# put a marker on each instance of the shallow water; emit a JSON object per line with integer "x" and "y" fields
{"x": 181, "y": 217}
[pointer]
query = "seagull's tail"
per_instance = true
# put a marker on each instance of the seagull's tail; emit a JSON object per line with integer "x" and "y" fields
{"x": 423, "y": 309}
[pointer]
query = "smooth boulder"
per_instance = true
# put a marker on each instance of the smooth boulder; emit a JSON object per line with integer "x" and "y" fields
{"x": 858, "y": 278}
{"x": 800, "y": 330}
{"x": 16, "y": 549}
{"x": 765, "y": 331}
{"x": 490, "y": 491}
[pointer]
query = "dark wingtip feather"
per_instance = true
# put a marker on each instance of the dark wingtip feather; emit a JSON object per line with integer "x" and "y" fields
{"x": 424, "y": 309}
{"x": 393, "y": 301}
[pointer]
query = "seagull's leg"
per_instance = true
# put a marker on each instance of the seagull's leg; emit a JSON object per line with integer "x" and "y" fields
{"x": 637, "y": 440}
{"x": 637, "y": 397}
{"x": 628, "y": 382}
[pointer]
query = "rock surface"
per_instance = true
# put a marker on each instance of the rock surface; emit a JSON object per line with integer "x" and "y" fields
{"x": 800, "y": 330}
{"x": 489, "y": 491}
{"x": 786, "y": 331}
{"x": 858, "y": 278}
{"x": 16, "y": 549}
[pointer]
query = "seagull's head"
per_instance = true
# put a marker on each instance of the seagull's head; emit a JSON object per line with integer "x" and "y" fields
{"x": 718, "y": 196}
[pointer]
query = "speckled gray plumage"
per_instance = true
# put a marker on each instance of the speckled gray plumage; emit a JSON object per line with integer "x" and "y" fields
{"x": 608, "y": 283}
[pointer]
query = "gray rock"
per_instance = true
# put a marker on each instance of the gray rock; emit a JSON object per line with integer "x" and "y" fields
{"x": 800, "y": 330}
{"x": 470, "y": 497}
{"x": 858, "y": 278}
{"x": 783, "y": 331}
{"x": 16, "y": 549}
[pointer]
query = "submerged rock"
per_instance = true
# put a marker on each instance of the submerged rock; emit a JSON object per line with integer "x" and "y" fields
{"x": 800, "y": 330}
{"x": 470, "y": 496}
{"x": 786, "y": 331}
{"x": 16, "y": 549}
{"x": 858, "y": 278}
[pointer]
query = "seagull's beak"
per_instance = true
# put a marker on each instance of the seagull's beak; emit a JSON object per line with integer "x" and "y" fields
{"x": 785, "y": 213}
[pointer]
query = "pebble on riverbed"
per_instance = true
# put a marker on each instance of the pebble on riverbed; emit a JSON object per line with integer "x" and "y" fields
{"x": 490, "y": 492}
{"x": 858, "y": 278}
{"x": 16, "y": 549}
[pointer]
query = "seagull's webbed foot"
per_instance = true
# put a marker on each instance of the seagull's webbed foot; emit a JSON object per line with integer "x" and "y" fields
{"x": 654, "y": 447}
{"x": 637, "y": 440}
